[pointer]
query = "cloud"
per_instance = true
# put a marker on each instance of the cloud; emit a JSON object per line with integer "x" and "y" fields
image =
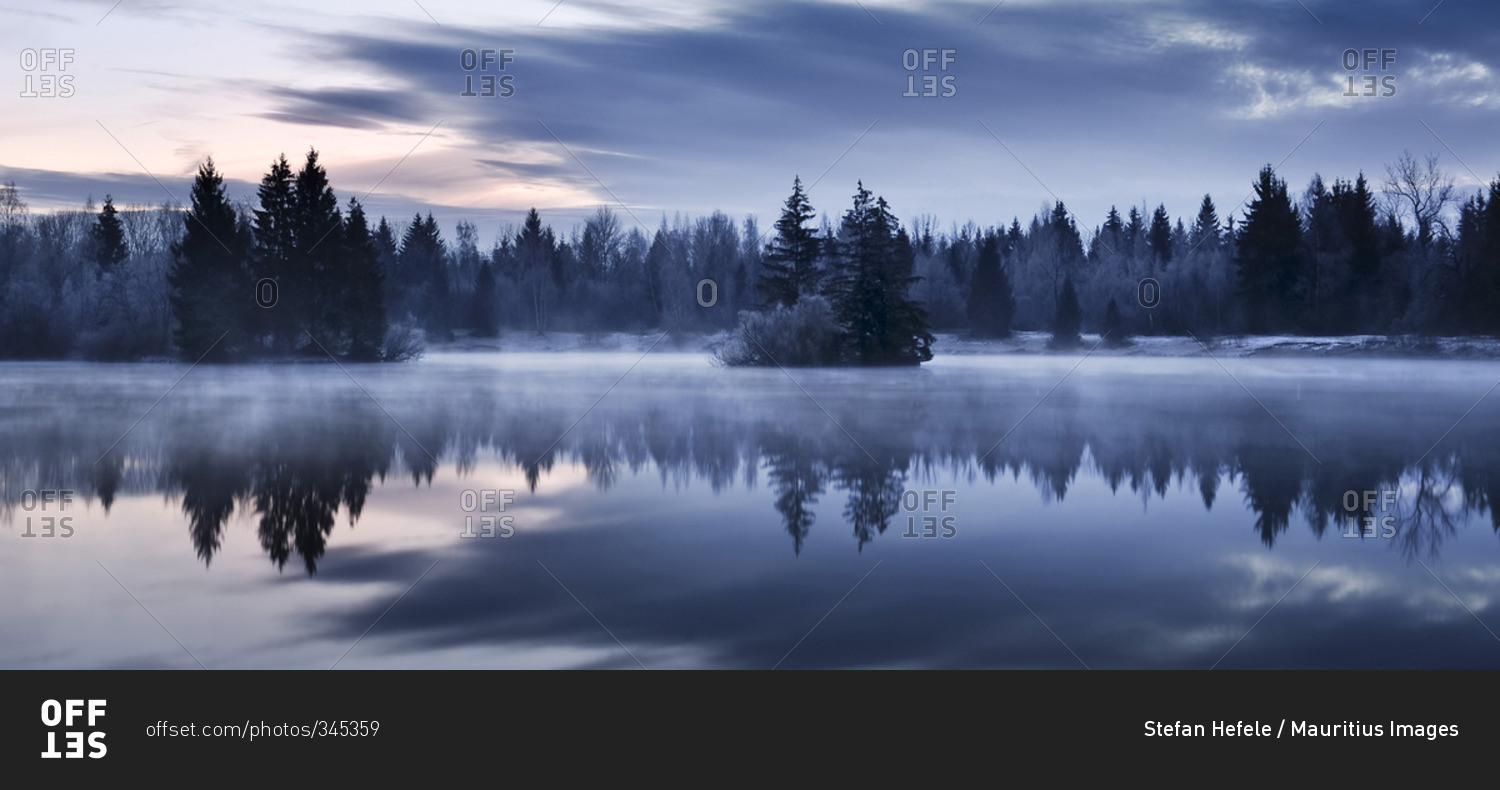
{"x": 1179, "y": 32}
{"x": 352, "y": 108}
{"x": 1271, "y": 92}
{"x": 46, "y": 190}
{"x": 1457, "y": 80}
{"x": 697, "y": 106}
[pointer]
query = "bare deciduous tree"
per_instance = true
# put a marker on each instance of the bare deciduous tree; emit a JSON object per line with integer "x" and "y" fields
{"x": 1421, "y": 191}
{"x": 13, "y": 209}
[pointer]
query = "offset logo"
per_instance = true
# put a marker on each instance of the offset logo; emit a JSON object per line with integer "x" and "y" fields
{"x": 45, "y": 73}
{"x": 71, "y": 717}
{"x": 1367, "y": 514}
{"x": 1361, "y": 64}
{"x": 47, "y": 526}
{"x": 927, "y": 73}
{"x": 486, "y": 501}
{"x": 935, "y": 522}
{"x": 485, "y": 68}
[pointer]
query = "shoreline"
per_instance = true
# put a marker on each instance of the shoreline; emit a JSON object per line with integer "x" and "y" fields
{"x": 1023, "y": 344}
{"x": 952, "y": 344}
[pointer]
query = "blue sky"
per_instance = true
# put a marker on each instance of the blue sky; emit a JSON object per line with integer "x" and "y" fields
{"x": 688, "y": 107}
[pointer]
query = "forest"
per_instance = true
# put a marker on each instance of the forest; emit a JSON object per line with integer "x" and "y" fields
{"x": 1409, "y": 255}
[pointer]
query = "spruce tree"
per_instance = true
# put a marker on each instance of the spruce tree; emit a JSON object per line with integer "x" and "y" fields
{"x": 1066, "y": 235}
{"x": 1111, "y": 235}
{"x": 657, "y": 265}
{"x": 790, "y": 265}
{"x": 274, "y": 252}
{"x": 484, "y": 314}
{"x": 992, "y": 305}
{"x": 108, "y": 235}
{"x": 1325, "y": 246}
{"x": 211, "y": 293}
{"x": 1359, "y": 221}
{"x": 439, "y": 293}
{"x": 1486, "y": 274}
{"x": 317, "y": 281}
{"x": 536, "y": 249}
{"x": 872, "y": 273}
{"x": 1160, "y": 236}
{"x": 387, "y": 249}
{"x": 1358, "y": 218}
{"x": 1135, "y": 229}
{"x": 1067, "y": 320}
{"x": 1269, "y": 260}
{"x": 363, "y": 286}
{"x": 1113, "y": 224}
{"x": 423, "y": 263}
{"x": 1206, "y": 226}
{"x": 1114, "y": 325}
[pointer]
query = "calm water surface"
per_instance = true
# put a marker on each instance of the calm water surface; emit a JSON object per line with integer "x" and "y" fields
{"x": 1143, "y": 513}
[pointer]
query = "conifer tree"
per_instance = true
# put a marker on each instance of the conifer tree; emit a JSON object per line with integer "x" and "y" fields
{"x": 872, "y": 273}
{"x": 991, "y": 304}
{"x": 484, "y": 318}
{"x": 1160, "y": 236}
{"x": 274, "y": 252}
{"x": 1206, "y": 230}
{"x": 1111, "y": 235}
{"x": 536, "y": 253}
{"x": 424, "y": 274}
{"x": 317, "y": 279}
{"x": 1364, "y": 257}
{"x": 1269, "y": 258}
{"x": 1135, "y": 229}
{"x": 1483, "y": 277}
{"x": 363, "y": 286}
{"x": 790, "y": 265}
{"x": 108, "y": 234}
{"x": 1067, "y": 320}
{"x": 211, "y": 293}
{"x": 1114, "y": 325}
{"x": 387, "y": 250}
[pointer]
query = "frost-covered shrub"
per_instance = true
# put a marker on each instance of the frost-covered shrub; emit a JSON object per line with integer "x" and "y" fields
{"x": 805, "y": 335}
{"x": 403, "y": 342}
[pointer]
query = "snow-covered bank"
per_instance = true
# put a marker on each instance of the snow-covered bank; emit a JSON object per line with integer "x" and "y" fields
{"x": 1024, "y": 343}
{"x": 1242, "y": 346}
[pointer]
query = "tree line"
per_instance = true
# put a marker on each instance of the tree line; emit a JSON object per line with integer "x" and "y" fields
{"x": 1407, "y": 256}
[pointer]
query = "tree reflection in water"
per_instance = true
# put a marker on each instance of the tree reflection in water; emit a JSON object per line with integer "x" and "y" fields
{"x": 295, "y": 464}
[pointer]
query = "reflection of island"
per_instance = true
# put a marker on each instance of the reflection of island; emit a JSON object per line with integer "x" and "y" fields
{"x": 294, "y": 468}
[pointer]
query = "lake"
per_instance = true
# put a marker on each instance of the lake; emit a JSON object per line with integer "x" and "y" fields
{"x": 476, "y": 511}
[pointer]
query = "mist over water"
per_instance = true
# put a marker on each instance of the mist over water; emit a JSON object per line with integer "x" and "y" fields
{"x": 1149, "y": 511}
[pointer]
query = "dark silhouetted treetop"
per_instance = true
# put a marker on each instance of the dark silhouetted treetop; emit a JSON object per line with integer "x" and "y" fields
{"x": 871, "y": 274}
{"x": 210, "y": 289}
{"x": 992, "y": 305}
{"x": 789, "y": 266}
{"x": 109, "y": 237}
{"x": 1269, "y": 260}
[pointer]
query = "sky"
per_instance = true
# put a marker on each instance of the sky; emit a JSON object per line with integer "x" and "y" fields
{"x": 672, "y": 106}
